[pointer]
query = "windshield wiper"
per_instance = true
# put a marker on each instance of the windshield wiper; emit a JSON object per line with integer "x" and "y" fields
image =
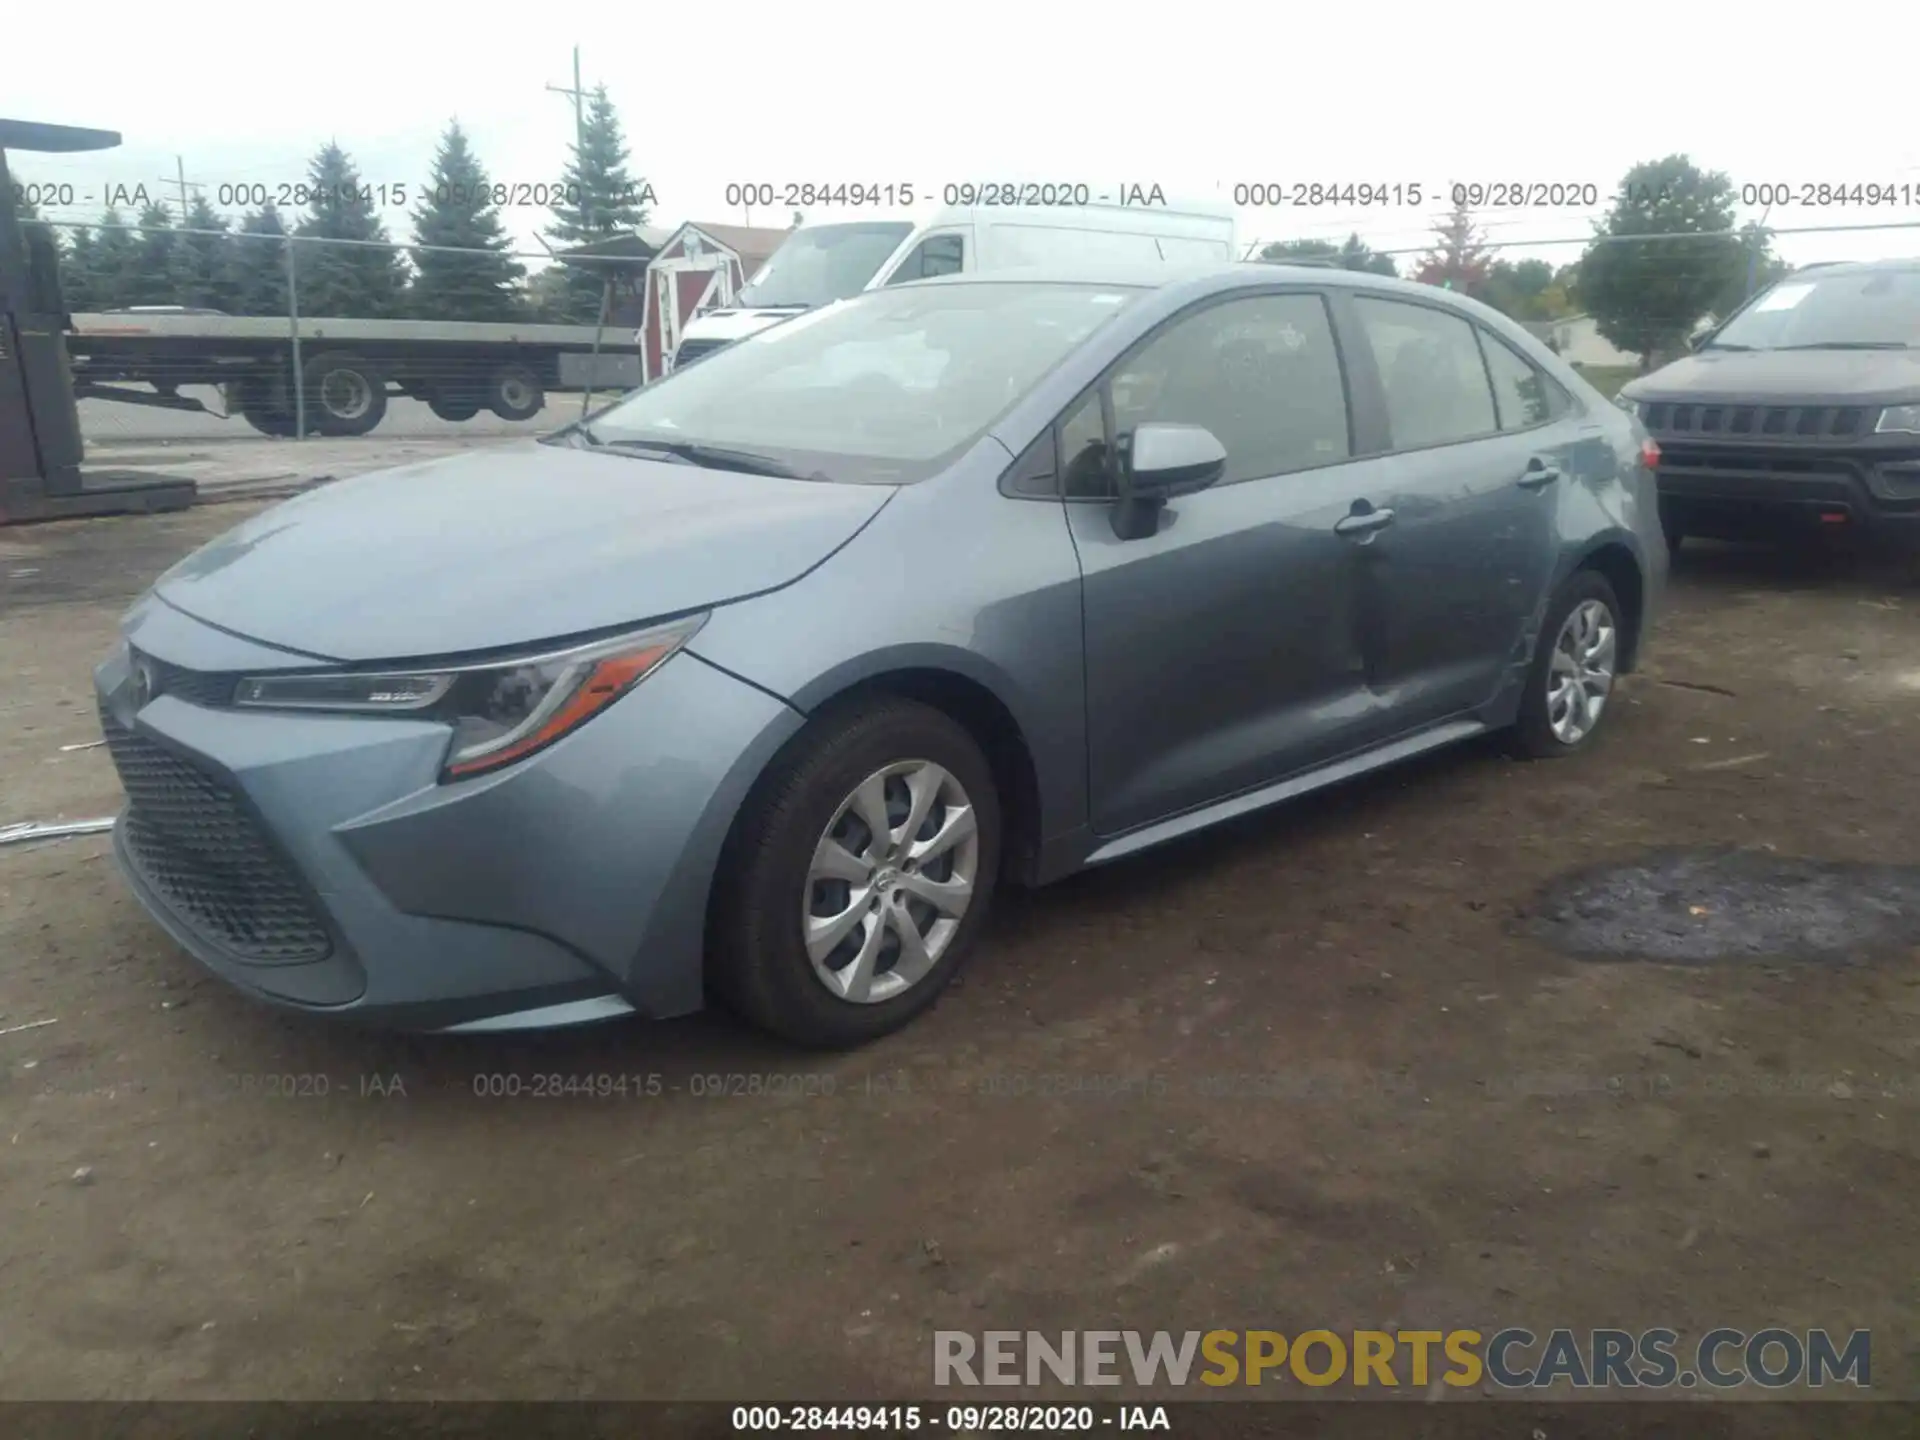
{"x": 1852, "y": 345}
{"x": 714, "y": 457}
{"x": 1718, "y": 345}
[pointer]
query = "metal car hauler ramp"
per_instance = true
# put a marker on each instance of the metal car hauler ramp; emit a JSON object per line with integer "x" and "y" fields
{"x": 41, "y": 475}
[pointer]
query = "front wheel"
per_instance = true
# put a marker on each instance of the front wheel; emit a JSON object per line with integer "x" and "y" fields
{"x": 1576, "y": 665}
{"x": 858, "y": 876}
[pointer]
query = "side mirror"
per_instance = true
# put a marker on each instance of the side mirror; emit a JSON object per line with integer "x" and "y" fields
{"x": 1161, "y": 462}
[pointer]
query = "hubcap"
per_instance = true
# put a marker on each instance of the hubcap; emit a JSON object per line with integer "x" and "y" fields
{"x": 517, "y": 393}
{"x": 1580, "y": 675}
{"x": 890, "y": 882}
{"x": 345, "y": 394}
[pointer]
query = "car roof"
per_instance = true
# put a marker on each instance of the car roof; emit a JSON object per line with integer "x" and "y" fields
{"x": 1170, "y": 273}
{"x": 1858, "y": 267}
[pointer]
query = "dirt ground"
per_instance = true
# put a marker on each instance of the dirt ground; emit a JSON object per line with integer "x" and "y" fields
{"x": 1317, "y": 1070}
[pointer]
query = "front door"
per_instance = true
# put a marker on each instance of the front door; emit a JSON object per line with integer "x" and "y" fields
{"x": 1227, "y": 650}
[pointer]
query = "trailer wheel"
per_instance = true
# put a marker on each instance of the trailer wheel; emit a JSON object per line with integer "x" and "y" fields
{"x": 452, "y": 406}
{"x": 276, "y": 423}
{"x": 345, "y": 394}
{"x": 255, "y": 400}
{"x": 514, "y": 393}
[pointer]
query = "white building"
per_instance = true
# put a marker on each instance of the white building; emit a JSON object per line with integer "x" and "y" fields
{"x": 1577, "y": 340}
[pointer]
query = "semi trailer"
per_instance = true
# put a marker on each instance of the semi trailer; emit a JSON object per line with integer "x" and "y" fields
{"x": 348, "y": 369}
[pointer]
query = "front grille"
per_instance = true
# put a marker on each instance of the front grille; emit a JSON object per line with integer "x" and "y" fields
{"x": 196, "y": 687}
{"x": 1672, "y": 417}
{"x": 193, "y": 841}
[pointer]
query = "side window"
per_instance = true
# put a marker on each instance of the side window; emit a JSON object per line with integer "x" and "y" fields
{"x": 1436, "y": 383}
{"x": 1525, "y": 397}
{"x": 935, "y": 255}
{"x": 1262, "y": 374}
{"x": 1083, "y": 452}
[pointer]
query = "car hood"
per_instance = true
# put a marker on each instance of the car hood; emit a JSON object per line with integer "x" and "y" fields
{"x": 508, "y": 546}
{"x": 1819, "y": 377}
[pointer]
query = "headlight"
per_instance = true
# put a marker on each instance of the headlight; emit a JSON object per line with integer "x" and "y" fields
{"x": 1902, "y": 418}
{"x": 500, "y": 711}
{"x": 1630, "y": 406}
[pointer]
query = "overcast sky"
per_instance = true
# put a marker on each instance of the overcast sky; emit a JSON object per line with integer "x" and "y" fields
{"x": 1193, "y": 98}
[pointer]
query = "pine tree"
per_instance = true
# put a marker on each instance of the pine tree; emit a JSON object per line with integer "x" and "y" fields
{"x": 360, "y": 281}
{"x": 1356, "y": 254}
{"x": 80, "y": 271}
{"x": 1459, "y": 259}
{"x": 599, "y": 199}
{"x": 149, "y": 279}
{"x": 45, "y": 262}
{"x": 114, "y": 251}
{"x": 203, "y": 263}
{"x": 258, "y": 275}
{"x": 458, "y": 213}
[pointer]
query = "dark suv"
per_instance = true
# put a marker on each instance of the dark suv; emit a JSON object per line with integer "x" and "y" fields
{"x": 1801, "y": 411}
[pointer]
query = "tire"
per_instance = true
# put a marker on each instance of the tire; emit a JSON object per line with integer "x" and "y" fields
{"x": 766, "y": 887}
{"x": 255, "y": 399}
{"x": 345, "y": 394}
{"x": 276, "y": 423}
{"x": 1673, "y": 530}
{"x": 514, "y": 392}
{"x": 453, "y": 408}
{"x": 1535, "y": 736}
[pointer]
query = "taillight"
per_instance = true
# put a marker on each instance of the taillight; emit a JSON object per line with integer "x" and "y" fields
{"x": 1650, "y": 454}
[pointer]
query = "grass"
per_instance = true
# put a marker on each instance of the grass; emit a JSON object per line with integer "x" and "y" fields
{"x": 1607, "y": 379}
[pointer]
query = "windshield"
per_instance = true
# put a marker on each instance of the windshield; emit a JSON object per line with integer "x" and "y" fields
{"x": 1867, "y": 308}
{"x": 823, "y": 264}
{"x": 886, "y": 388}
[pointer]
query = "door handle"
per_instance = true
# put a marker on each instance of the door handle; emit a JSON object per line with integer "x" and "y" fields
{"x": 1539, "y": 474}
{"x": 1364, "y": 523}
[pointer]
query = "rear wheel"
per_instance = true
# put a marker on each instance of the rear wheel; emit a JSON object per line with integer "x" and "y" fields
{"x": 345, "y": 394}
{"x": 514, "y": 392}
{"x": 858, "y": 876}
{"x": 1576, "y": 665}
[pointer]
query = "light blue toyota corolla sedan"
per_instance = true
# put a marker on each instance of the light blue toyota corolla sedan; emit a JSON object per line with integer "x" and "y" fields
{"x": 759, "y": 682}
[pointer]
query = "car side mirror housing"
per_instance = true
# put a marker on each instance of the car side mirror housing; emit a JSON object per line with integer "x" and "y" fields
{"x": 1161, "y": 462}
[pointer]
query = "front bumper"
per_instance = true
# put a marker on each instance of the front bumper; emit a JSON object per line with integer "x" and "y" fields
{"x": 316, "y": 862}
{"x": 1736, "y": 492}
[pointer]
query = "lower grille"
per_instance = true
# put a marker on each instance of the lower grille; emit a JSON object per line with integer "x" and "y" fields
{"x": 192, "y": 840}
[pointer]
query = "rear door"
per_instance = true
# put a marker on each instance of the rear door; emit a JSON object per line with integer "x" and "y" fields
{"x": 1225, "y": 651}
{"x": 1481, "y": 444}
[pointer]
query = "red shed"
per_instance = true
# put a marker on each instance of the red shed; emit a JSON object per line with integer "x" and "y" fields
{"x": 700, "y": 267}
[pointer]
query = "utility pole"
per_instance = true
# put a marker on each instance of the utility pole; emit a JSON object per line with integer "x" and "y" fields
{"x": 579, "y": 97}
{"x": 179, "y": 180}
